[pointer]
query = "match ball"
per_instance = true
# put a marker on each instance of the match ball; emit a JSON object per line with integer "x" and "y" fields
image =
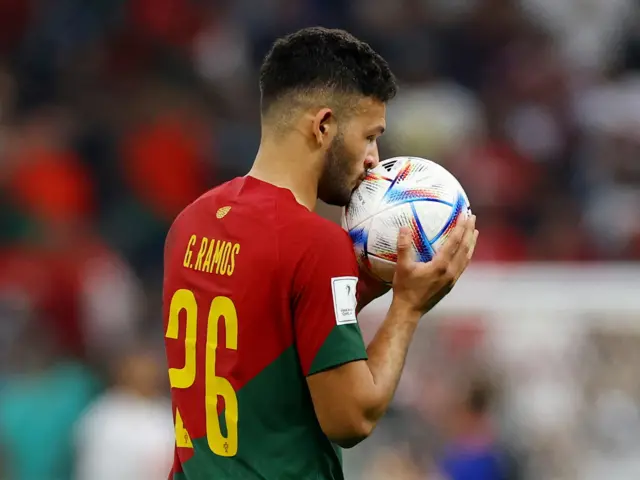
{"x": 403, "y": 192}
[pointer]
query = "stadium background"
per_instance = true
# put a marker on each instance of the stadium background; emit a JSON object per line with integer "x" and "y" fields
{"x": 114, "y": 114}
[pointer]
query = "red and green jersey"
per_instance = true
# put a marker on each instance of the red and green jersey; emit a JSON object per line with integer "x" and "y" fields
{"x": 259, "y": 293}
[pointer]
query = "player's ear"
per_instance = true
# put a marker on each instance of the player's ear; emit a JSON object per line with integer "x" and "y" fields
{"x": 324, "y": 126}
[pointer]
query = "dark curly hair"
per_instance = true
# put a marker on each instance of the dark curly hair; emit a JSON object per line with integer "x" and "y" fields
{"x": 328, "y": 61}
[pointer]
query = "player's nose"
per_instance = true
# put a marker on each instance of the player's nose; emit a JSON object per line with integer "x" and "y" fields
{"x": 372, "y": 160}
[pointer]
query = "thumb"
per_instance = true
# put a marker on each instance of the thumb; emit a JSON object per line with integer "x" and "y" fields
{"x": 405, "y": 252}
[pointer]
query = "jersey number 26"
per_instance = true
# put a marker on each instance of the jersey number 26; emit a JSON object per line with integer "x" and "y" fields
{"x": 215, "y": 386}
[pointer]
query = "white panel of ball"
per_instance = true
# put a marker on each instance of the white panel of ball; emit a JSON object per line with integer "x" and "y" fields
{"x": 433, "y": 216}
{"x": 382, "y": 242}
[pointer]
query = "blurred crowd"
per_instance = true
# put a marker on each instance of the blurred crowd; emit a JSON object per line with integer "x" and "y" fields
{"x": 114, "y": 114}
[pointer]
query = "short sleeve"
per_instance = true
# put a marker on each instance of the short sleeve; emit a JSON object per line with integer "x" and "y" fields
{"x": 326, "y": 329}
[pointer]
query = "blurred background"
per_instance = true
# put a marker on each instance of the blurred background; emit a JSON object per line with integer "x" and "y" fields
{"x": 115, "y": 114}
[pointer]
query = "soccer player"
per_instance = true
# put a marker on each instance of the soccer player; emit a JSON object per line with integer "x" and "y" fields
{"x": 269, "y": 373}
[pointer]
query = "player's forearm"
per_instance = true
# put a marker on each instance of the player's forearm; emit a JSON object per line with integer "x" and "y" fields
{"x": 367, "y": 387}
{"x": 387, "y": 354}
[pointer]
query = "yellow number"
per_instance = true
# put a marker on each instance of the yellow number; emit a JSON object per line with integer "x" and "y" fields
{"x": 184, "y": 300}
{"x": 218, "y": 386}
{"x": 221, "y": 307}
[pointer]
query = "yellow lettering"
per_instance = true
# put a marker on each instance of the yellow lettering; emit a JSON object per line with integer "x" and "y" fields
{"x": 217, "y": 255}
{"x": 232, "y": 260}
{"x": 203, "y": 248}
{"x": 206, "y": 266}
{"x": 213, "y": 255}
{"x": 225, "y": 258}
{"x": 201, "y": 252}
{"x": 188, "y": 253}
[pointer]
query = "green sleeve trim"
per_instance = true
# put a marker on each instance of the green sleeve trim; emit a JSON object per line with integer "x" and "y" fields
{"x": 344, "y": 344}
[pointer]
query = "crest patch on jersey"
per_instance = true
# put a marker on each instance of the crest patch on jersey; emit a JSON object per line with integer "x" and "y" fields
{"x": 222, "y": 212}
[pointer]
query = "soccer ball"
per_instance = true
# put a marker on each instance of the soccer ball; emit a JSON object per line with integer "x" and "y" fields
{"x": 402, "y": 191}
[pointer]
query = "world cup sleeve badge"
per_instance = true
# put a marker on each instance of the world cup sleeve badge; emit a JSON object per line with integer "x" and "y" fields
{"x": 345, "y": 300}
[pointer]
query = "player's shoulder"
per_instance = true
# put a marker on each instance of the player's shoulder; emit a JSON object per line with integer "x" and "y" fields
{"x": 310, "y": 230}
{"x": 317, "y": 250}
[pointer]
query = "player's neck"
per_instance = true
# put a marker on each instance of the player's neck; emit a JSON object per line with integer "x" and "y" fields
{"x": 286, "y": 168}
